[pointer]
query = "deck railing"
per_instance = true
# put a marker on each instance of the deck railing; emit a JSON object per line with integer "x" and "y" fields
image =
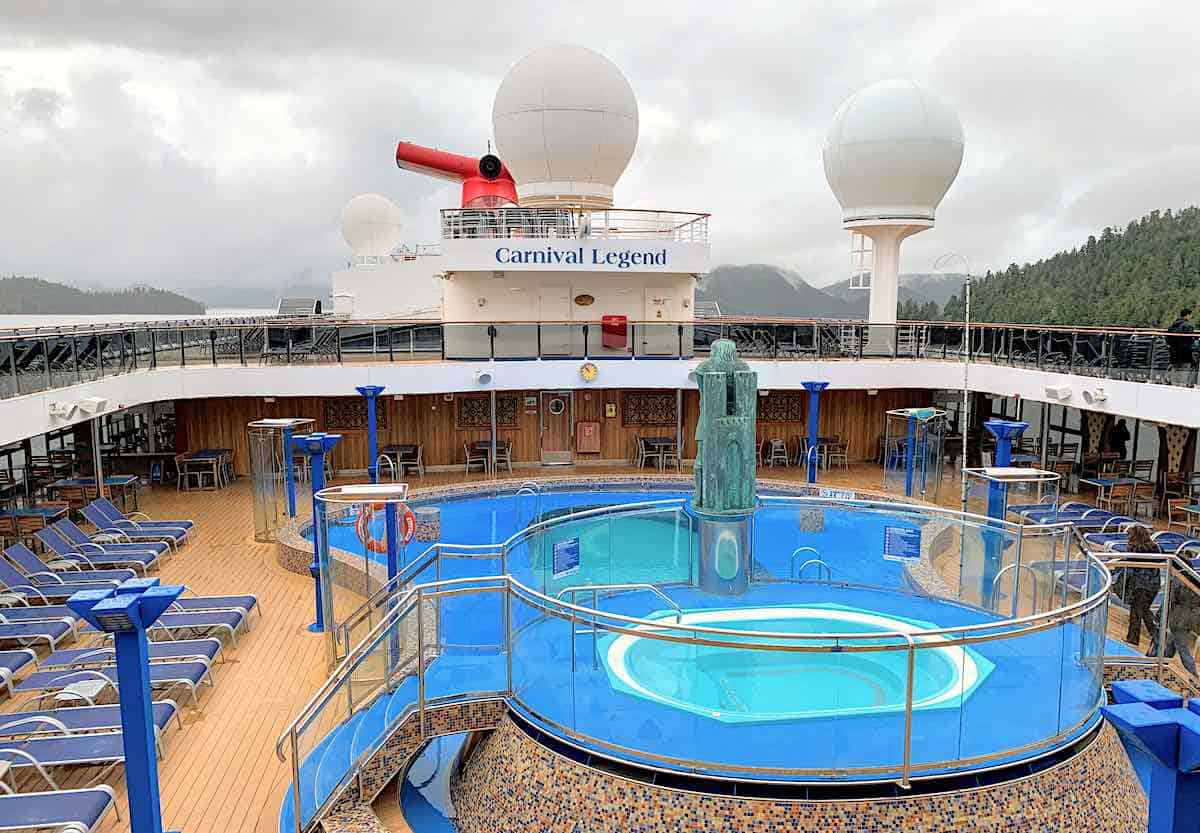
{"x": 41, "y": 359}
{"x": 399, "y": 656}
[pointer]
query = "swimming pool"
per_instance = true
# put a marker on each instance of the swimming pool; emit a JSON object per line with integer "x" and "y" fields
{"x": 732, "y": 685}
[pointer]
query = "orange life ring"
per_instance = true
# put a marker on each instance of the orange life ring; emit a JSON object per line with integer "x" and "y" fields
{"x": 408, "y": 527}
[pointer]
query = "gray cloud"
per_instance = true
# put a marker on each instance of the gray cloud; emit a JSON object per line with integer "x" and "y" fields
{"x": 186, "y": 144}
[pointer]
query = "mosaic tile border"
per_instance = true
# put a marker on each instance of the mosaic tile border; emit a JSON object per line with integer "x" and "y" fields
{"x": 513, "y": 784}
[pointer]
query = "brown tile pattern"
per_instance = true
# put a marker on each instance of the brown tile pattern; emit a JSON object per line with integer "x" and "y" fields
{"x": 514, "y": 785}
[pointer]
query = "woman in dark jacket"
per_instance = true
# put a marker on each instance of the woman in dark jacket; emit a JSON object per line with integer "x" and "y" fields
{"x": 1141, "y": 586}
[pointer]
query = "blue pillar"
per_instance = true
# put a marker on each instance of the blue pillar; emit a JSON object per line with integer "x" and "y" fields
{"x": 289, "y": 470}
{"x": 126, "y": 612}
{"x": 814, "y": 413}
{"x": 315, "y": 447}
{"x": 370, "y": 392}
{"x": 1162, "y": 737}
{"x": 1005, "y": 431}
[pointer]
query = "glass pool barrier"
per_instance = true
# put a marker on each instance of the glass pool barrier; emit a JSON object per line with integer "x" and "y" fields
{"x": 916, "y": 679}
{"x": 274, "y": 497}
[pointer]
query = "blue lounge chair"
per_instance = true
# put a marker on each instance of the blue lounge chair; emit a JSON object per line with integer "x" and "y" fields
{"x": 24, "y": 634}
{"x": 188, "y": 625}
{"x": 1067, "y": 511}
{"x": 78, "y": 811}
{"x": 72, "y": 569}
{"x": 11, "y": 663}
{"x": 81, "y": 719}
{"x": 194, "y": 604}
{"x": 207, "y": 649}
{"x": 127, "y": 535}
{"x": 92, "y": 555}
{"x": 139, "y": 520}
{"x": 1071, "y": 507}
{"x": 88, "y": 684}
{"x": 47, "y": 752}
{"x": 83, "y": 542}
{"x": 44, "y": 590}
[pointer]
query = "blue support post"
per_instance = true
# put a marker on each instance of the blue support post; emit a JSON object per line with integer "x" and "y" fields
{"x": 126, "y": 612}
{"x": 289, "y": 469}
{"x": 814, "y": 413}
{"x": 1162, "y": 737}
{"x": 315, "y": 447}
{"x": 370, "y": 393}
{"x": 1005, "y": 431}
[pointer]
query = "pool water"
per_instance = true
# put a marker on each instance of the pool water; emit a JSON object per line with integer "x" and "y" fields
{"x": 736, "y": 685}
{"x": 654, "y": 545}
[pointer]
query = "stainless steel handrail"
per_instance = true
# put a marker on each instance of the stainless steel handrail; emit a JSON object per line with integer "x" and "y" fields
{"x": 597, "y": 588}
{"x": 797, "y": 575}
{"x": 1016, "y": 600}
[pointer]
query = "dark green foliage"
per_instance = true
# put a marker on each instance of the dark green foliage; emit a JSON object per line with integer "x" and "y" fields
{"x": 1139, "y": 277}
{"x": 32, "y": 296}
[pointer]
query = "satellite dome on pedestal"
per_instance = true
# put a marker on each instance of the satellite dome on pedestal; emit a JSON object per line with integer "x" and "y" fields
{"x": 566, "y": 124}
{"x": 892, "y": 152}
{"x": 371, "y": 225}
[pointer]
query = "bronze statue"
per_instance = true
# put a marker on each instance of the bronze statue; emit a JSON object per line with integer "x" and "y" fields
{"x": 726, "y": 449}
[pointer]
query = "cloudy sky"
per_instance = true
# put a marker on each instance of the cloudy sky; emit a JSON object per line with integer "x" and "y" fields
{"x": 183, "y": 144}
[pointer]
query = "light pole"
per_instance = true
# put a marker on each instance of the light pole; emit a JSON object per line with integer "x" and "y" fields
{"x": 964, "y": 418}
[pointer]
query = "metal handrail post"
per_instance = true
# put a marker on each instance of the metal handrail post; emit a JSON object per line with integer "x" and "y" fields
{"x": 906, "y": 772}
{"x": 1162, "y": 626}
{"x": 421, "y": 659}
{"x": 296, "y": 805}
{"x": 508, "y": 646}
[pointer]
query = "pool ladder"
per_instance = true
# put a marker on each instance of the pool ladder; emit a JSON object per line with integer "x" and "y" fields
{"x": 530, "y": 488}
{"x": 1016, "y": 586}
{"x": 798, "y": 575}
{"x": 595, "y": 589}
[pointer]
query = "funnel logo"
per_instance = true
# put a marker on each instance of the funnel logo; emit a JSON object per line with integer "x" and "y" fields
{"x": 582, "y": 255}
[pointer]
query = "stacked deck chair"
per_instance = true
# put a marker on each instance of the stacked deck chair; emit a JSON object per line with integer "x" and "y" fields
{"x": 11, "y": 664}
{"x": 207, "y": 649}
{"x": 72, "y": 569}
{"x": 131, "y": 534}
{"x": 70, "y": 543}
{"x": 140, "y": 521}
{"x": 78, "y": 811}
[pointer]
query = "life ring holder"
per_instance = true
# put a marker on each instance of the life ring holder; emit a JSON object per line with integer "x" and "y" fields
{"x": 362, "y": 526}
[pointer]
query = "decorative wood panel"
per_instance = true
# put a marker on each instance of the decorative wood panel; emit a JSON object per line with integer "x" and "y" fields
{"x": 474, "y": 411}
{"x": 646, "y": 408}
{"x": 782, "y": 406}
{"x": 431, "y": 421}
{"x": 350, "y": 414}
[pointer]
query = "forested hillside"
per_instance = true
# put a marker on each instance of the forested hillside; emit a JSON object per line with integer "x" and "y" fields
{"x": 32, "y": 296}
{"x": 1137, "y": 277}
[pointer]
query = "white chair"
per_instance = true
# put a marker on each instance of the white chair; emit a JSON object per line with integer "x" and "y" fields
{"x": 777, "y": 453}
{"x": 474, "y": 458}
{"x": 504, "y": 455}
{"x": 649, "y": 453}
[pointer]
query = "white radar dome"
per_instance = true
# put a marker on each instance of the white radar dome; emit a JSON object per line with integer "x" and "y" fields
{"x": 371, "y": 225}
{"x": 566, "y": 124}
{"x": 892, "y": 152}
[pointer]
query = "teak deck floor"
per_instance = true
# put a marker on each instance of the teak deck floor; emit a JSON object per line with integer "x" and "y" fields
{"x": 220, "y": 773}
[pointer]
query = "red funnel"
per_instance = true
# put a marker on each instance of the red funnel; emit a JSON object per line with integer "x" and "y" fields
{"x": 486, "y": 181}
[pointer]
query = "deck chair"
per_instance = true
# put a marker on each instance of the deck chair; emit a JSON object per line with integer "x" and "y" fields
{"x": 79, "y": 811}
{"x": 137, "y": 521}
{"x": 84, "y": 542}
{"x": 105, "y": 530}
{"x": 26, "y": 634}
{"x": 195, "y": 604}
{"x": 75, "y": 719}
{"x": 46, "y": 752}
{"x": 189, "y": 625}
{"x": 93, "y": 555}
{"x": 72, "y": 569}
{"x": 208, "y": 650}
{"x": 11, "y": 664}
{"x": 46, "y": 590}
{"x": 87, "y": 685}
